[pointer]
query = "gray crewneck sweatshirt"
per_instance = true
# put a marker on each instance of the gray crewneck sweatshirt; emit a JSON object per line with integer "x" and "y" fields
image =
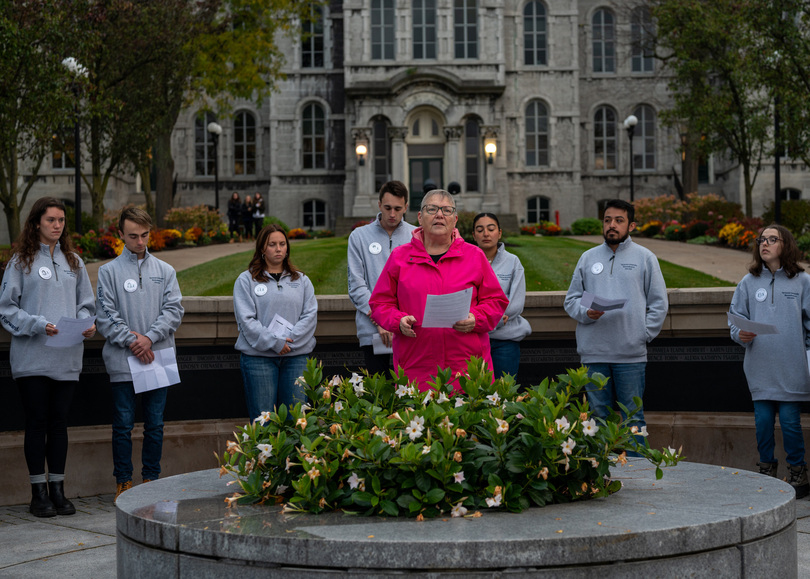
{"x": 510, "y": 274}
{"x": 31, "y": 300}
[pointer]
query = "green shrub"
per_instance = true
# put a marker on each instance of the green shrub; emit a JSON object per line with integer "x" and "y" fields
{"x": 703, "y": 240}
{"x": 586, "y": 226}
{"x": 696, "y": 229}
{"x": 795, "y": 216}
{"x": 804, "y": 244}
{"x": 201, "y": 216}
{"x": 465, "y": 225}
{"x": 273, "y": 220}
{"x": 675, "y": 232}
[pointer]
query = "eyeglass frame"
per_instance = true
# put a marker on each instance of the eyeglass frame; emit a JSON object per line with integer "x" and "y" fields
{"x": 436, "y": 208}
{"x": 770, "y": 240}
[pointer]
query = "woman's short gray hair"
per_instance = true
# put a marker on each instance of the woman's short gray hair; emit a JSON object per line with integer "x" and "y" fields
{"x": 440, "y": 193}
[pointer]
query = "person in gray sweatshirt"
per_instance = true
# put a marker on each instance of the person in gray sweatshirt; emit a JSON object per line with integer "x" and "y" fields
{"x": 504, "y": 340}
{"x": 614, "y": 343}
{"x": 777, "y": 291}
{"x": 44, "y": 281}
{"x": 139, "y": 310}
{"x": 276, "y": 313}
{"x": 369, "y": 248}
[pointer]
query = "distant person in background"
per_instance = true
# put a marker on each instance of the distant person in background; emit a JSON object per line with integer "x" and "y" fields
{"x": 369, "y": 248}
{"x": 504, "y": 340}
{"x": 44, "y": 281}
{"x": 258, "y": 214}
{"x": 234, "y": 213}
{"x": 437, "y": 261}
{"x": 247, "y": 217}
{"x": 777, "y": 291}
{"x": 272, "y": 361}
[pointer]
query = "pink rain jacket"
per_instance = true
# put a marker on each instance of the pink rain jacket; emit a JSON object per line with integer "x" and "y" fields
{"x": 406, "y": 280}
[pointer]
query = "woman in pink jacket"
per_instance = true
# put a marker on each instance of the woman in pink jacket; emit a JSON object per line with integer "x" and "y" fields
{"x": 437, "y": 261}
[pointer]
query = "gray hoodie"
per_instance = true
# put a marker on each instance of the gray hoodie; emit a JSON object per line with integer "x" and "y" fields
{"x": 369, "y": 248}
{"x": 256, "y": 303}
{"x": 153, "y": 308}
{"x": 509, "y": 271}
{"x": 31, "y": 300}
{"x": 776, "y": 364}
{"x": 619, "y": 336}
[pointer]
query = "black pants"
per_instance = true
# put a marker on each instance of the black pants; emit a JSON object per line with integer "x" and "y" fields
{"x": 376, "y": 363}
{"x": 46, "y": 403}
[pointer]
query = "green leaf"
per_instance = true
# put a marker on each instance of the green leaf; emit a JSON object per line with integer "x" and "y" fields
{"x": 434, "y": 496}
{"x": 390, "y": 508}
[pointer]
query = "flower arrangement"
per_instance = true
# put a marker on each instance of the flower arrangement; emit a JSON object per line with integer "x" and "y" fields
{"x": 376, "y": 446}
{"x": 110, "y": 246}
{"x": 675, "y": 232}
{"x": 549, "y": 228}
{"x": 192, "y": 235}
{"x": 171, "y": 237}
{"x": 736, "y": 235}
{"x": 156, "y": 240}
{"x": 528, "y": 230}
{"x": 297, "y": 233}
{"x": 651, "y": 228}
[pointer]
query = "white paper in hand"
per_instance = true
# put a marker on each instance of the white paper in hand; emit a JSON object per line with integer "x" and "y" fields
{"x": 162, "y": 372}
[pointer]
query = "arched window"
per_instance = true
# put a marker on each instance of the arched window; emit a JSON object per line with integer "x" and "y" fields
{"x": 312, "y": 45}
{"x": 472, "y": 155}
{"x": 314, "y": 214}
{"x": 604, "y": 139}
{"x": 314, "y": 137}
{"x": 534, "y": 34}
{"x": 604, "y": 41}
{"x": 382, "y": 154}
{"x": 382, "y": 29}
{"x": 244, "y": 144}
{"x": 536, "y": 134}
{"x": 537, "y": 209}
{"x": 644, "y": 139}
{"x": 424, "y": 29}
{"x": 465, "y": 28}
{"x": 642, "y": 34}
{"x": 203, "y": 145}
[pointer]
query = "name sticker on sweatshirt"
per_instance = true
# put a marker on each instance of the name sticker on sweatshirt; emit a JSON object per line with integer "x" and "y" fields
{"x": 260, "y": 290}
{"x": 45, "y": 273}
{"x": 597, "y": 268}
{"x": 375, "y": 248}
{"x": 761, "y": 294}
{"x": 130, "y": 285}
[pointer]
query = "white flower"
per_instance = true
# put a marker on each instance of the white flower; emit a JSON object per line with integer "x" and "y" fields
{"x": 428, "y": 397}
{"x": 425, "y": 449}
{"x": 446, "y": 424}
{"x": 459, "y": 476}
{"x": 420, "y": 420}
{"x": 289, "y": 464}
{"x": 639, "y": 431}
{"x": 401, "y": 391}
{"x": 355, "y": 481}
{"x": 494, "y": 399}
{"x": 589, "y": 427}
{"x": 300, "y": 381}
{"x": 310, "y": 459}
{"x": 594, "y": 463}
{"x": 494, "y": 501}
{"x": 503, "y": 426}
{"x": 562, "y": 424}
{"x": 519, "y": 416}
{"x": 335, "y": 381}
{"x": 338, "y": 406}
{"x": 245, "y": 437}
{"x": 281, "y": 489}
{"x": 263, "y": 418}
{"x": 458, "y": 510}
{"x": 442, "y": 398}
{"x": 413, "y": 430}
{"x": 267, "y": 451}
{"x": 357, "y": 383}
{"x": 392, "y": 442}
{"x": 568, "y": 446}
{"x": 380, "y": 432}
{"x": 411, "y": 391}
{"x": 459, "y": 402}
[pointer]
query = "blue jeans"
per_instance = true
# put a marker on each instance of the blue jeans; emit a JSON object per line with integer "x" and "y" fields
{"x": 270, "y": 382}
{"x": 625, "y": 382}
{"x": 152, "y": 402}
{"x": 505, "y": 357}
{"x": 789, "y": 421}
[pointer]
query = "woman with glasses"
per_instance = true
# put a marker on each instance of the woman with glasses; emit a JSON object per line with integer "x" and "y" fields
{"x": 437, "y": 261}
{"x": 777, "y": 291}
{"x": 504, "y": 340}
{"x": 276, "y": 313}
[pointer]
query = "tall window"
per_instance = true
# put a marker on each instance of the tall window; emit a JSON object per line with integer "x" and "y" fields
{"x": 382, "y": 156}
{"x": 472, "y": 155}
{"x": 604, "y": 41}
{"x": 203, "y": 145}
{"x": 465, "y": 20}
{"x": 312, "y": 43}
{"x": 63, "y": 147}
{"x": 604, "y": 136}
{"x": 644, "y": 138}
{"x": 244, "y": 144}
{"x": 382, "y": 29}
{"x": 314, "y": 137}
{"x": 536, "y": 134}
{"x": 424, "y": 29}
{"x": 314, "y": 213}
{"x": 534, "y": 33}
{"x": 641, "y": 40}
{"x": 537, "y": 209}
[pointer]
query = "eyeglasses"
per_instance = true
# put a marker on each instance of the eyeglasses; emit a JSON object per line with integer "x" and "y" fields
{"x": 447, "y": 211}
{"x": 772, "y": 240}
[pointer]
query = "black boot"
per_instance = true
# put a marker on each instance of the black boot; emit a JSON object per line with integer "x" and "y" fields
{"x": 41, "y": 505}
{"x": 57, "y": 492}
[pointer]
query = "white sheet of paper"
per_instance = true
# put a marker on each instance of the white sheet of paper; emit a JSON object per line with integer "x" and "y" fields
{"x": 755, "y": 327}
{"x": 600, "y": 304}
{"x": 280, "y": 328}
{"x": 70, "y": 332}
{"x": 379, "y": 347}
{"x": 162, "y": 372}
{"x": 445, "y": 310}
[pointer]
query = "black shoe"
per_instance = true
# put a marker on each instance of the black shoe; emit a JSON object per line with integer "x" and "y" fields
{"x": 798, "y": 480}
{"x": 56, "y": 490}
{"x": 41, "y": 505}
{"x": 768, "y": 468}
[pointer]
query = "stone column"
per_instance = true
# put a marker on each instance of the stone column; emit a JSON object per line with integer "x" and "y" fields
{"x": 455, "y": 162}
{"x": 362, "y": 206}
{"x": 398, "y": 164}
{"x": 494, "y": 200}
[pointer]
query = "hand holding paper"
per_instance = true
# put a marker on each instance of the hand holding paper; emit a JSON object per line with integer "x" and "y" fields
{"x": 69, "y": 332}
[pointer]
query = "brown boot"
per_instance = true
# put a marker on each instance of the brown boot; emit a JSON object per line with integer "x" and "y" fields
{"x": 122, "y": 487}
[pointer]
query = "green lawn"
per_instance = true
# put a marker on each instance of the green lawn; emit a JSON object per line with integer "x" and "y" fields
{"x": 548, "y": 261}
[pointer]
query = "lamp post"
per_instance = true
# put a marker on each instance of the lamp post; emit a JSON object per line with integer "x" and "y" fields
{"x": 215, "y": 130}
{"x": 490, "y": 149}
{"x": 361, "y": 150}
{"x": 630, "y": 124}
{"x": 77, "y": 70}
